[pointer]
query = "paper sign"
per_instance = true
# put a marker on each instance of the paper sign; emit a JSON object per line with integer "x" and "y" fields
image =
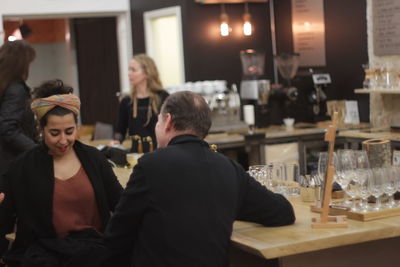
{"x": 309, "y": 31}
{"x": 352, "y": 115}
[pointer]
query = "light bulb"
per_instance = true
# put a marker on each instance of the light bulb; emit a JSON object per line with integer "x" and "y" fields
{"x": 247, "y": 27}
{"x": 247, "y": 30}
{"x": 224, "y": 29}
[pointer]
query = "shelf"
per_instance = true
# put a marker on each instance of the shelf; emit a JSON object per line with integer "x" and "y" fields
{"x": 369, "y": 91}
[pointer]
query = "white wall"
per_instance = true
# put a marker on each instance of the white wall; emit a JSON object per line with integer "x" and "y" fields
{"x": 61, "y": 7}
{"x": 25, "y": 9}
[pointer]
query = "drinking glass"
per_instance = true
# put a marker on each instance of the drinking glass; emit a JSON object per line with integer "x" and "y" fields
{"x": 346, "y": 169}
{"x": 278, "y": 176}
{"x": 259, "y": 172}
{"x": 361, "y": 158}
{"x": 353, "y": 190}
{"x": 365, "y": 192}
{"x": 390, "y": 184}
{"x": 293, "y": 175}
{"x": 376, "y": 187}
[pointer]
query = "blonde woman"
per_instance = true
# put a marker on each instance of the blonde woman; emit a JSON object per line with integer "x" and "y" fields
{"x": 138, "y": 111}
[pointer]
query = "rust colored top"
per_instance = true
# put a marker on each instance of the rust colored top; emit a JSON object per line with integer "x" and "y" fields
{"x": 74, "y": 205}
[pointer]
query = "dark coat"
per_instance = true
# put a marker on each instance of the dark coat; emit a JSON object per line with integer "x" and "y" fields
{"x": 29, "y": 185}
{"x": 180, "y": 204}
{"x": 17, "y": 125}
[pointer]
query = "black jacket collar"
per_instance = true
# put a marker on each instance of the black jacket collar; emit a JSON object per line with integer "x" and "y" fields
{"x": 186, "y": 138}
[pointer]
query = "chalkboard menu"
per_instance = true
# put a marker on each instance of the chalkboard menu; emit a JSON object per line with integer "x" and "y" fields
{"x": 386, "y": 27}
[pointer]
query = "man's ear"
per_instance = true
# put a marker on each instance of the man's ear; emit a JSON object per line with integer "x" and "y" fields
{"x": 168, "y": 122}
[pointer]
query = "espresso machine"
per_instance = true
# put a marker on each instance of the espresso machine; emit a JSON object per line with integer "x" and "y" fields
{"x": 224, "y": 105}
{"x": 254, "y": 88}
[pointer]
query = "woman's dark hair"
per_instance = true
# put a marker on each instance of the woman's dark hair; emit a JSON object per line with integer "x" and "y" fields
{"x": 15, "y": 58}
{"x": 49, "y": 88}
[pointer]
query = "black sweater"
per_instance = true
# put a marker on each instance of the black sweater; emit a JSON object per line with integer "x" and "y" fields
{"x": 17, "y": 125}
{"x": 136, "y": 126}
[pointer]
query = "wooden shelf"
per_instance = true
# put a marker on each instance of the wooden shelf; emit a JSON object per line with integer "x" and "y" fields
{"x": 369, "y": 91}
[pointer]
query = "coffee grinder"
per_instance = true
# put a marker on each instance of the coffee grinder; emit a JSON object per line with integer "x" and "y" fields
{"x": 254, "y": 88}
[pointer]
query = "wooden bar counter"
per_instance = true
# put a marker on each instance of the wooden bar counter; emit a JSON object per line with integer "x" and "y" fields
{"x": 373, "y": 243}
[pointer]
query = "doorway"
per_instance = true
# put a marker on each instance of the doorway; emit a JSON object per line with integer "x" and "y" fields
{"x": 83, "y": 52}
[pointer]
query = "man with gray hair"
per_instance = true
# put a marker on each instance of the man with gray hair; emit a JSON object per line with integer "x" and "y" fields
{"x": 182, "y": 199}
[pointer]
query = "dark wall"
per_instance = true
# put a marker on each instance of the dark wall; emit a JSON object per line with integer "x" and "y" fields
{"x": 210, "y": 56}
{"x": 97, "y": 56}
{"x": 346, "y": 46}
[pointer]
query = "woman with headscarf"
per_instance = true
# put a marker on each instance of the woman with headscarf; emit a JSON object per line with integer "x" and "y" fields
{"x": 61, "y": 193}
{"x": 138, "y": 112}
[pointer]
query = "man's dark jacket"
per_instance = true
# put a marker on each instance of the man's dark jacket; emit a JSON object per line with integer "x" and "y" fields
{"x": 180, "y": 204}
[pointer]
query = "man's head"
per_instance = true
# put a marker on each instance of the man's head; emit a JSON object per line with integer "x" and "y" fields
{"x": 183, "y": 113}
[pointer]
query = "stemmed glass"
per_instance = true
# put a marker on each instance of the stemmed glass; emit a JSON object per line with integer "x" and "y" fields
{"x": 390, "y": 184}
{"x": 361, "y": 159}
{"x": 376, "y": 186}
{"x": 355, "y": 170}
{"x": 346, "y": 170}
{"x": 323, "y": 164}
{"x": 365, "y": 189}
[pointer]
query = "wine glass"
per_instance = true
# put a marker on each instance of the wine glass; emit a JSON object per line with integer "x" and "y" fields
{"x": 361, "y": 158}
{"x": 345, "y": 172}
{"x": 365, "y": 192}
{"x": 390, "y": 184}
{"x": 323, "y": 164}
{"x": 376, "y": 187}
{"x": 353, "y": 190}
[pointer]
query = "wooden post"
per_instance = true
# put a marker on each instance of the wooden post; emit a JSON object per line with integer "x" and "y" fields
{"x": 326, "y": 221}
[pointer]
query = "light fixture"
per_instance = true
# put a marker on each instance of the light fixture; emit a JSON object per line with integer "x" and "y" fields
{"x": 247, "y": 27}
{"x": 224, "y": 27}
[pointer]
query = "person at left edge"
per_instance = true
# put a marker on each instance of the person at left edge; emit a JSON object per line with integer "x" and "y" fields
{"x": 61, "y": 193}
{"x": 17, "y": 125}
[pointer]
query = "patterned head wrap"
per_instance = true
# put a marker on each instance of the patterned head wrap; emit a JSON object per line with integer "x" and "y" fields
{"x": 41, "y": 106}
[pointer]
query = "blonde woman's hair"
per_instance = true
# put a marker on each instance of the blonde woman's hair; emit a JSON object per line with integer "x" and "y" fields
{"x": 153, "y": 84}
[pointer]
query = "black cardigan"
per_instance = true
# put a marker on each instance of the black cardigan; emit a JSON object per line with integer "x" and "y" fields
{"x": 17, "y": 125}
{"x": 29, "y": 187}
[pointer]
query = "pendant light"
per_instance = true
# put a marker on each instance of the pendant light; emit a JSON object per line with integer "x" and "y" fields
{"x": 224, "y": 26}
{"x": 247, "y": 27}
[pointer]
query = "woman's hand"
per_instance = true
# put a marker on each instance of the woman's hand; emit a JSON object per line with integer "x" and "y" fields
{"x": 1, "y": 197}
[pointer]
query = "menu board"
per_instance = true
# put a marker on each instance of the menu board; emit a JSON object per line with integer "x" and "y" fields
{"x": 309, "y": 31}
{"x": 386, "y": 27}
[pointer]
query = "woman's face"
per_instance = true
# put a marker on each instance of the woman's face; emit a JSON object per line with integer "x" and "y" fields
{"x": 136, "y": 74}
{"x": 60, "y": 134}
